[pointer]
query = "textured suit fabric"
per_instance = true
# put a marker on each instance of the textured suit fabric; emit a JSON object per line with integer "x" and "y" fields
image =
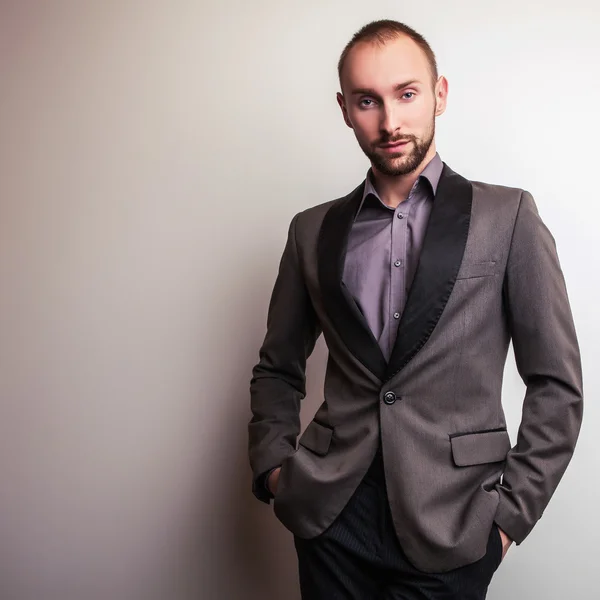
{"x": 358, "y": 556}
{"x": 488, "y": 273}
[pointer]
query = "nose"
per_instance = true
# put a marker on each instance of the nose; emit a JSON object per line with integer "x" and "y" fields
{"x": 390, "y": 120}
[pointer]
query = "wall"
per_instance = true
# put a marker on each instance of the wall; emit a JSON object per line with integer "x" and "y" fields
{"x": 151, "y": 157}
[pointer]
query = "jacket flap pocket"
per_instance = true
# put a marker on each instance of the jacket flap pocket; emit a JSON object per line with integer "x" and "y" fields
{"x": 316, "y": 437}
{"x": 478, "y": 269}
{"x": 479, "y": 447}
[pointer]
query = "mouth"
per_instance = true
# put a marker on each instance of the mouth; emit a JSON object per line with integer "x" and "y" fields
{"x": 393, "y": 147}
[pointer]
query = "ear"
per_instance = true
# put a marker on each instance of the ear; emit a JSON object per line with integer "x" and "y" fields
{"x": 441, "y": 95}
{"x": 342, "y": 103}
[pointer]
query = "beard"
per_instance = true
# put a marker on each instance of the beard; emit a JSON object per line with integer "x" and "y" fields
{"x": 404, "y": 161}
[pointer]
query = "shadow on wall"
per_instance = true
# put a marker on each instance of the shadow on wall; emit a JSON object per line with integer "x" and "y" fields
{"x": 236, "y": 548}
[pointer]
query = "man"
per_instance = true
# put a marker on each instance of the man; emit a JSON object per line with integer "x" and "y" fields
{"x": 405, "y": 484}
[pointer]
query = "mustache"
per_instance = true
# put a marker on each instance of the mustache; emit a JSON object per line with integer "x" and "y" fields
{"x": 394, "y": 140}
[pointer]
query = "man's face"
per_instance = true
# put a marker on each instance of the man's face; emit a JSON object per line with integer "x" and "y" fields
{"x": 390, "y": 102}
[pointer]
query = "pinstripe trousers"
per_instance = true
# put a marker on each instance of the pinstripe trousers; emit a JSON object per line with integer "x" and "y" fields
{"x": 358, "y": 557}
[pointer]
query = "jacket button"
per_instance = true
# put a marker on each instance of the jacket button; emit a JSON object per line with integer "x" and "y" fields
{"x": 389, "y": 397}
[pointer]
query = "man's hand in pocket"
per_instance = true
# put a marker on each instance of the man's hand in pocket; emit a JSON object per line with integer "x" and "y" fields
{"x": 506, "y": 542}
{"x": 273, "y": 481}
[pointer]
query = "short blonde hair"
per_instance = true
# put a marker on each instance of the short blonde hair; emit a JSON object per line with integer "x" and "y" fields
{"x": 385, "y": 30}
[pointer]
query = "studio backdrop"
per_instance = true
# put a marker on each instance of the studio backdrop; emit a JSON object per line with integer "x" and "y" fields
{"x": 152, "y": 155}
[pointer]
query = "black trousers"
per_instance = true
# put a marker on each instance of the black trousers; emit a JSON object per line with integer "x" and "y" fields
{"x": 358, "y": 557}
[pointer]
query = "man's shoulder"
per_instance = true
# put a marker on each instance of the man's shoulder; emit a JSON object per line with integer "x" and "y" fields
{"x": 307, "y": 223}
{"x": 313, "y": 215}
{"x": 496, "y": 196}
{"x": 496, "y": 189}
{"x": 318, "y": 210}
{"x": 485, "y": 188}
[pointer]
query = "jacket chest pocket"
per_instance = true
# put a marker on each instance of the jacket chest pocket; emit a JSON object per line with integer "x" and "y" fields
{"x": 472, "y": 270}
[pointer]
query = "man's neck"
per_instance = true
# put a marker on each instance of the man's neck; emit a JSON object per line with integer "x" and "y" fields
{"x": 394, "y": 190}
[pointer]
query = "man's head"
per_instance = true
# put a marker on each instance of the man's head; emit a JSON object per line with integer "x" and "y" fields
{"x": 391, "y": 93}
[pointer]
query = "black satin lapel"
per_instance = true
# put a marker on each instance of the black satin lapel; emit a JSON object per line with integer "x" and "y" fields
{"x": 441, "y": 256}
{"x": 340, "y": 306}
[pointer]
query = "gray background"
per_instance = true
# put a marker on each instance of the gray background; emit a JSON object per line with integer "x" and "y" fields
{"x": 138, "y": 248}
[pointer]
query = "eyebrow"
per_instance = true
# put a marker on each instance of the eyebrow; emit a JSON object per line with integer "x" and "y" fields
{"x": 370, "y": 92}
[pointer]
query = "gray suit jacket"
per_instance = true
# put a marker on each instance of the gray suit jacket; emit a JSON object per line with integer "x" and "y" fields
{"x": 488, "y": 272}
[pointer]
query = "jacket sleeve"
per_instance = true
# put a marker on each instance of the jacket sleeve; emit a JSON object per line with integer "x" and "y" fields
{"x": 278, "y": 381}
{"x": 548, "y": 361}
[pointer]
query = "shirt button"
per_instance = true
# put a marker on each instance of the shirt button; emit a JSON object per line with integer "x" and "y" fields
{"x": 389, "y": 397}
{"x": 400, "y": 216}
{"x": 396, "y": 315}
{"x": 398, "y": 263}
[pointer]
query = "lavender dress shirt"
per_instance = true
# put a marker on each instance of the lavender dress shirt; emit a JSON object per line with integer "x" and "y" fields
{"x": 383, "y": 251}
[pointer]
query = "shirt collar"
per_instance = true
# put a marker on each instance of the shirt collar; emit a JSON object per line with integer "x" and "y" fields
{"x": 432, "y": 173}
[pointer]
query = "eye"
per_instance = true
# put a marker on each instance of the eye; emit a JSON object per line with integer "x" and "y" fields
{"x": 407, "y": 93}
{"x": 363, "y": 102}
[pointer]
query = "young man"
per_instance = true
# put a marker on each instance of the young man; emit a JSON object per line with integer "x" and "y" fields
{"x": 405, "y": 484}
